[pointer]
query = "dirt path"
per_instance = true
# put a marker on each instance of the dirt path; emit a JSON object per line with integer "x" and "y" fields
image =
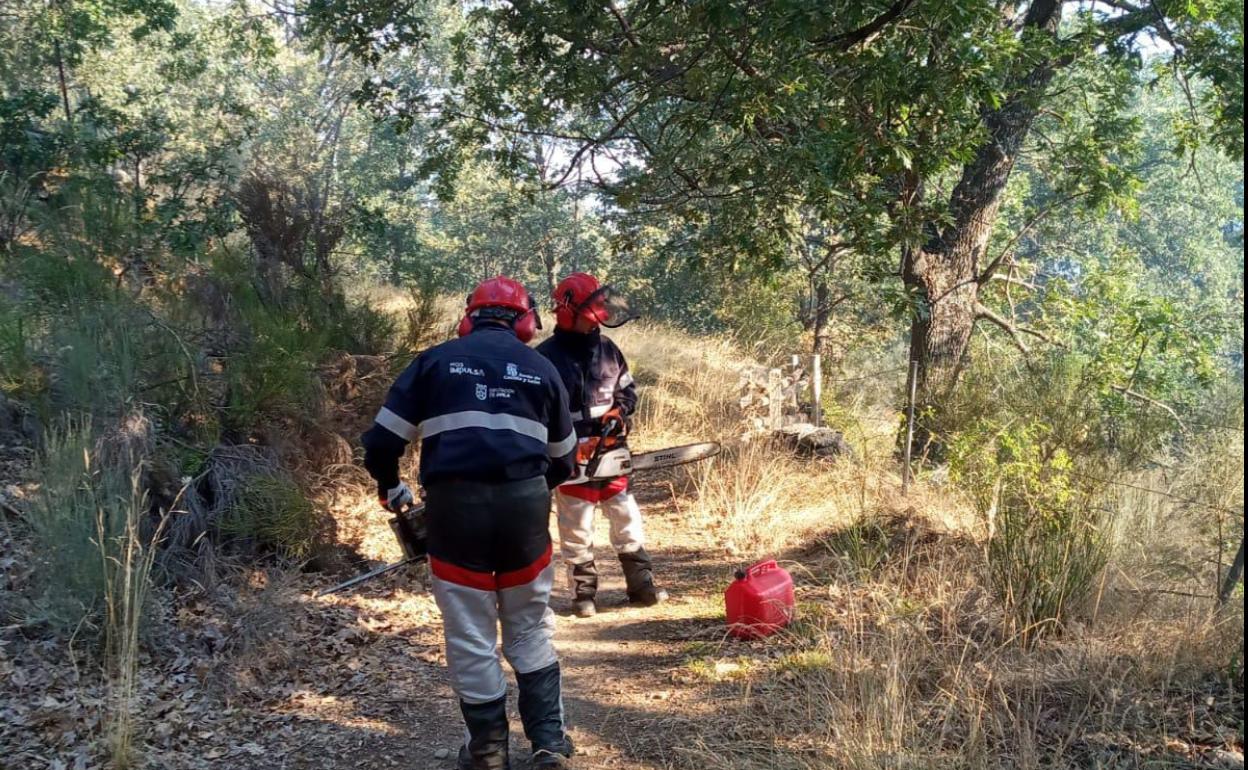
{"x": 259, "y": 674}
{"x": 625, "y": 703}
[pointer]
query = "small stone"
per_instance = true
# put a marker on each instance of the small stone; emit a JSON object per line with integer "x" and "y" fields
{"x": 442, "y": 754}
{"x": 1232, "y": 760}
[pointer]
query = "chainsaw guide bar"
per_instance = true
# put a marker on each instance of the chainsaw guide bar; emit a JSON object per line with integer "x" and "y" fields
{"x": 409, "y": 526}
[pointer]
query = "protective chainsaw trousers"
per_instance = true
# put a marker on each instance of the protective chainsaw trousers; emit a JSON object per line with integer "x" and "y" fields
{"x": 576, "y": 525}
{"x": 490, "y": 556}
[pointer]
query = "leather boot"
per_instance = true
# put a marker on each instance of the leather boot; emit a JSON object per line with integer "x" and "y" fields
{"x": 541, "y": 711}
{"x": 489, "y": 737}
{"x": 639, "y": 579}
{"x": 584, "y": 589}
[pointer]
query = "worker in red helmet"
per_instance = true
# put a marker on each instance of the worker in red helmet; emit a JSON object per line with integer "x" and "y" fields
{"x": 496, "y": 437}
{"x": 602, "y": 397}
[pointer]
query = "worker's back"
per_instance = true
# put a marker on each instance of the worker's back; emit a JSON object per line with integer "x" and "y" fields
{"x": 484, "y": 406}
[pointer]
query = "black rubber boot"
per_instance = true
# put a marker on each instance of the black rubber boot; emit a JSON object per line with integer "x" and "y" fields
{"x": 489, "y": 737}
{"x": 639, "y": 579}
{"x": 585, "y": 589}
{"x": 541, "y": 711}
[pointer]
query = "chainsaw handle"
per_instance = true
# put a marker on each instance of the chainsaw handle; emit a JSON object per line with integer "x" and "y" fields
{"x": 613, "y": 426}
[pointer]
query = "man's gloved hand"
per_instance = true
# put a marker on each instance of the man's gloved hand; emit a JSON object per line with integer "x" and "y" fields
{"x": 397, "y": 499}
{"x": 614, "y": 425}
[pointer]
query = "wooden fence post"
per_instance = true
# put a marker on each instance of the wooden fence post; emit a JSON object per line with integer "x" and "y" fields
{"x": 775, "y": 400}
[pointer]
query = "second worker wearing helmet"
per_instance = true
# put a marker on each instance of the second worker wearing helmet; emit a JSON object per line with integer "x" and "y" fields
{"x": 602, "y": 397}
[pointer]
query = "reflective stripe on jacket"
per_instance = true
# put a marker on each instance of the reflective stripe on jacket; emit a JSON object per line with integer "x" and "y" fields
{"x": 485, "y": 407}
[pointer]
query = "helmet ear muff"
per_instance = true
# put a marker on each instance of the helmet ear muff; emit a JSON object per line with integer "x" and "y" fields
{"x": 465, "y": 326}
{"x": 565, "y": 314}
{"x": 526, "y": 326}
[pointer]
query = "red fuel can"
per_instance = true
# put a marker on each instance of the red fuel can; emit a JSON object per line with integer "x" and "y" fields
{"x": 760, "y": 602}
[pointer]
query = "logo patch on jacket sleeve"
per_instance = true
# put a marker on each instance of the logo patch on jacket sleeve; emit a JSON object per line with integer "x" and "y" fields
{"x": 483, "y": 391}
{"x": 514, "y": 374}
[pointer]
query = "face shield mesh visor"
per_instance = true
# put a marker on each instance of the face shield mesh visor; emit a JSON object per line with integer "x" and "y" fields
{"x": 608, "y": 308}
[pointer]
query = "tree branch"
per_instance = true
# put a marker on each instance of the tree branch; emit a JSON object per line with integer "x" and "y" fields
{"x": 624, "y": 25}
{"x": 1016, "y": 332}
{"x": 1012, "y": 281}
{"x": 846, "y": 40}
{"x": 1152, "y": 402}
{"x": 1008, "y": 250}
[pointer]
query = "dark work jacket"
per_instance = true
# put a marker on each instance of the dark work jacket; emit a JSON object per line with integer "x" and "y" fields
{"x": 595, "y": 375}
{"x": 485, "y": 407}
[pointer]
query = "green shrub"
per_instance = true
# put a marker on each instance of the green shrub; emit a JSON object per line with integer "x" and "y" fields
{"x": 424, "y": 322}
{"x": 864, "y": 545}
{"x": 277, "y": 343}
{"x": 86, "y": 524}
{"x": 1046, "y": 563}
{"x": 1036, "y": 450}
{"x": 1048, "y": 533}
{"x": 355, "y": 327}
{"x": 273, "y": 514}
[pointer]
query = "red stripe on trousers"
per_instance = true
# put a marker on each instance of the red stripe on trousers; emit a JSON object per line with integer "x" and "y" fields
{"x": 482, "y": 581}
{"x": 595, "y": 495}
{"x": 527, "y": 575}
{"x": 488, "y": 581}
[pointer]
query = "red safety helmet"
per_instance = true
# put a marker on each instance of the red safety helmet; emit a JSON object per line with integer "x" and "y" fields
{"x": 581, "y": 296}
{"x": 506, "y": 300}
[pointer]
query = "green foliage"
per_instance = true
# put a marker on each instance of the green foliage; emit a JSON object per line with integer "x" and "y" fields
{"x": 274, "y": 514}
{"x": 1048, "y": 538}
{"x": 271, "y": 368}
{"x": 864, "y": 544}
{"x": 1036, "y": 452}
{"x": 77, "y": 345}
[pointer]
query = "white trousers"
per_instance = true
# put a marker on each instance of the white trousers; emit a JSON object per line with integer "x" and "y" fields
{"x": 471, "y": 618}
{"x": 576, "y": 525}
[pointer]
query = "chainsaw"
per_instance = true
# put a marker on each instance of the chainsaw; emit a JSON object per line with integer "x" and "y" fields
{"x": 597, "y": 458}
{"x": 608, "y": 457}
{"x": 408, "y": 527}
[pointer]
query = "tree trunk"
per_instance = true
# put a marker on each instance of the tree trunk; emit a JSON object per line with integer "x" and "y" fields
{"x": 944, "y": 274}
{"x": 60, "y": 75}
{"x": 550, "y": 261}
{"x": 944, "y": 318}
{"x": 822, "y": 310}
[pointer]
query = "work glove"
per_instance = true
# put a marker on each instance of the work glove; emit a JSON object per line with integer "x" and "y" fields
{"x": 396, "y": 500}
{"x": 614, "y": 425}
